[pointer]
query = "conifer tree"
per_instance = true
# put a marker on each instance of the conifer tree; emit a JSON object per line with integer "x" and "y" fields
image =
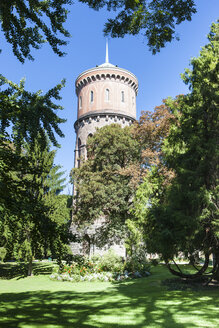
{"x": 34, "y": 220}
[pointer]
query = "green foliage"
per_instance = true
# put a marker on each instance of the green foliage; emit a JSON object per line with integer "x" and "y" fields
{"x": 106, "y": 267}
{"x": 29, "y": 114}
{"x": 109, "y": 261}
{"x": 133, "y": 241}
{"x": 55, "y": 180}
{"x": 103, "y": 183}
{"x": 30, "y": 23}
{"x": 3, "y": 253}
{"x": 197, "y": 179}
{"x": 27, "y": 172}
{"x": 34, "y": 220}
{"x": 183, "y": 216}
{"x": 157, "y": 19}
{"x": 133, "y": 264}
{"x": 137, "y": 261}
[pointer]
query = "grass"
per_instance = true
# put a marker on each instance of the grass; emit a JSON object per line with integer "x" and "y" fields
{"x": 147, "y": 302}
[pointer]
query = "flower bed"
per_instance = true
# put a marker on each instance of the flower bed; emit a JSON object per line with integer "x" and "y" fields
{"x": 99, "y": 276}
{"x": 103, "y": 276}
{"x": 108, "y": 267}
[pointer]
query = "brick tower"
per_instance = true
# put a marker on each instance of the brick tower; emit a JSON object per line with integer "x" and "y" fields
{"x": 106, "y": 94}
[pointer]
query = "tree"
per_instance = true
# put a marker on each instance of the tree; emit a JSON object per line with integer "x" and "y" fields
{"x": 31, "y": 220}
{"x": 184, "y": 217}
{"x": 34, "y": 220}
{"x": 29, "y": 114}
{"x": 154, "y": 176}
{"x": 25, "y": 24}
{"x": 30, "y": 23}
{"x": 103, "y": 186}
{"x": 24, "y": 116}
{"x": 150, "y": 131}
{"x": 157, "y": 18}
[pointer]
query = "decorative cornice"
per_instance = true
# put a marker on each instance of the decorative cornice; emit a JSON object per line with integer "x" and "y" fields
{"x": 114, "y": 74}
{"x": 89, "y": 117}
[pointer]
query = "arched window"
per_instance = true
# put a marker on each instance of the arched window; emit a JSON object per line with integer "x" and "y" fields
{"x": 123, "y": 96}
{"x": 80, "y": 102}
{"x": 107, "y": 95}
{"x": 91, "y": 96}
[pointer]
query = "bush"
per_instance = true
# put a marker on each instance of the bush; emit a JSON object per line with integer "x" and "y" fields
{"x": 137, "y": 263}
{"x": 106, "y": 267}
{"x": 109, "y": 262}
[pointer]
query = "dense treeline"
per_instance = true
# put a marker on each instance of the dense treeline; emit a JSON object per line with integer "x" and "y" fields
{"x": 159, "y": 178}
{"x": 161, "y": 170}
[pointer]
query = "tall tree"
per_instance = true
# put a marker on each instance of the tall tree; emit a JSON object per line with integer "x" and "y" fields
{"x": 103, "y": 187}
{"x": 157, "y": 18}
{"x": 184, "y": 218}
{"x": 24, "y": 116}
{"x": 29, "y": 118}
{"x": 154, "y": 176}
{"x": 33, "y": 220}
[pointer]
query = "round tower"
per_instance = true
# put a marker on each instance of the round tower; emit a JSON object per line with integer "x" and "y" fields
{"x": 106, "y": 94}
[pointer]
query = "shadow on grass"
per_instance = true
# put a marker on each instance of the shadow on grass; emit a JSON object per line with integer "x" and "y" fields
{"x": 125, "y": 305}
{"x": 19, "y": 270}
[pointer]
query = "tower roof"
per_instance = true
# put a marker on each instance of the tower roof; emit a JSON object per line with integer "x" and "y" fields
{"x": 107, "y": 63}
{"x": 106, "y": 68}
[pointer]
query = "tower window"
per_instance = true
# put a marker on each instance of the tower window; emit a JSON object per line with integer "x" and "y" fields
{"x": 107, "y": 95}
{"x": 91, "y": 96}
{"x": 123, "y": 96}
{"x": 80, "y": 102}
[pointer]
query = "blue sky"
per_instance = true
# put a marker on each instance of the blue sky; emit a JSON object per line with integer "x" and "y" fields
{"x": 158, "y": 76}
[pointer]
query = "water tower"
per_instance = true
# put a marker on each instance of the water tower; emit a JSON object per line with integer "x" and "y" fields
{"x": 106, "y": 94}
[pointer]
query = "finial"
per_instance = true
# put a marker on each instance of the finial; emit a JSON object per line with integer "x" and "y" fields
{"x": 107, "y": 52}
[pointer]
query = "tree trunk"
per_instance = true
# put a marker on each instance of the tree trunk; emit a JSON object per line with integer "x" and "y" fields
{"x": 30, "y": 266}
{"x": 190, "y": 276}
{"x": 216, "y": 267}
{"x": 214, "y": 259}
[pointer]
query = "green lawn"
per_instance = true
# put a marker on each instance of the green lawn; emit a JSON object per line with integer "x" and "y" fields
{"x": 38, "y": 302}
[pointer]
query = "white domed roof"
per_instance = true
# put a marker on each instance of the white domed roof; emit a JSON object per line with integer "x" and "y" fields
{"x": 106, "y": 65}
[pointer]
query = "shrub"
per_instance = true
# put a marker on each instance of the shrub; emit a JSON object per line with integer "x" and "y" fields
{"x": 109, "y": 262}
{"x": 137, "y": 263}
{"x": 106, "y": 267}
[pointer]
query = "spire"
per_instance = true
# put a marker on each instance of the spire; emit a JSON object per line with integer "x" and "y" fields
{"x": 107, "y": 63}
{"x": 107, "y": 52}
